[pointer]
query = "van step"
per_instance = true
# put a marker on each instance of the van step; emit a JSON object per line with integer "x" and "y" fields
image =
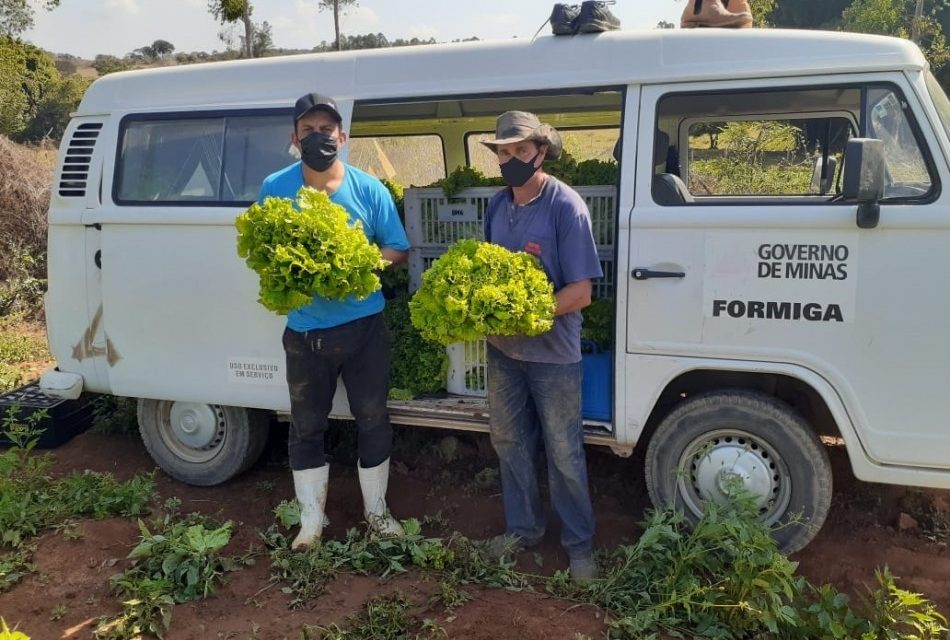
{"x": 471, "y": 414}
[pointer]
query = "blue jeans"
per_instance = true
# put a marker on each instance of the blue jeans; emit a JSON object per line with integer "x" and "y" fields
{"x": 531, "y": 403}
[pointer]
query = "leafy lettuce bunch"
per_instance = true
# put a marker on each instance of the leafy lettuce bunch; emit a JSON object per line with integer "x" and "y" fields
{"x": 476, "y": 289}
{"x": 307, "y": 251}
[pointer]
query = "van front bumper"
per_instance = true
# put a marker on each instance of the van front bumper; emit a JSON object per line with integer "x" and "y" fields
{"x": 59, "y": 384}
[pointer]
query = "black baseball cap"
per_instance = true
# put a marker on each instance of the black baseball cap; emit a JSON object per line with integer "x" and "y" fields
{"x": 311, "y": 101}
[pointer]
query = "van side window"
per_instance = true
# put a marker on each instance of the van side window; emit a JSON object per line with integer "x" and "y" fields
{"x": 408, "y": 160}
{"x": 199, "y": 160}
{"x": 786, "y": 145}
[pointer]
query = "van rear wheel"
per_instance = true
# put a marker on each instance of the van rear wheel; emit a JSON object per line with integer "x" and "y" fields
{"x": 201, "y": 444}
{"x": 715, "y": 442}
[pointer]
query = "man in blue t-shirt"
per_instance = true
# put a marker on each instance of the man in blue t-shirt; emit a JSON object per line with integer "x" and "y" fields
{"x": 534, "y": 383}
{"x": 327, "y": 339}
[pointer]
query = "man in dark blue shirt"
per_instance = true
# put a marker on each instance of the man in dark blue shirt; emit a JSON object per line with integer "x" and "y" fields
{"x": 534, "y": 389}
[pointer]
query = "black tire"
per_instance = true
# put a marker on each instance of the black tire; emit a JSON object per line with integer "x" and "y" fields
{"x": 765, "y": 443}
{"x": 201, "y": 444}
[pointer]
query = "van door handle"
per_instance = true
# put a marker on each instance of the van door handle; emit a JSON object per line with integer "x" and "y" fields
{"x": 98, "y": 258}
{"x": 639, "y": 273}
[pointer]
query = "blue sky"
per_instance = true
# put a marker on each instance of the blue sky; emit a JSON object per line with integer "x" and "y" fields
{"x": 87, "y": 27}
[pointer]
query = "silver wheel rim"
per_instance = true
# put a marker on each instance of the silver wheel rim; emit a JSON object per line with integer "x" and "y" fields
{"x": 193, "y": 431}
{"x": 718, "y": 463}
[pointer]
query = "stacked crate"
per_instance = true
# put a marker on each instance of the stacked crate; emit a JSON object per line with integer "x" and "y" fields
{"x": 434, "y": 223}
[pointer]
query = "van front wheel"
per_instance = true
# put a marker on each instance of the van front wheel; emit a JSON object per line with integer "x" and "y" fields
{"x": 714, "y": 443}
{"x": 201, "y": 444}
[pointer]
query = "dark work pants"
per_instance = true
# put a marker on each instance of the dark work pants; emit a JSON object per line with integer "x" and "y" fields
{"x": 357, "y": 350}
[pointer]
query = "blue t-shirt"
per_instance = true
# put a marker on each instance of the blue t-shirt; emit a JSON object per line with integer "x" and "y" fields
{"x": 366, "y": 199}
{"x": 555, "y": 227}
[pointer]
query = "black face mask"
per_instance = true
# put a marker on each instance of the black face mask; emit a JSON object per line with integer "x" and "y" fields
{"x": 516, "y": 172}
{"x": 318, "y": 151}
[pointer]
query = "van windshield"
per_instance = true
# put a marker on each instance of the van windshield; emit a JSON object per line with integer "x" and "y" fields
{"x": 940, "y": 101}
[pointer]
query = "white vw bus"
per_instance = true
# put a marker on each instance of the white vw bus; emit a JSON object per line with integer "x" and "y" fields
{"x": 776, "y": 245}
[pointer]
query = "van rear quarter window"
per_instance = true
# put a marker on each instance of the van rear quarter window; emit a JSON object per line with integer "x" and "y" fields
{"x": 199, "y": 160}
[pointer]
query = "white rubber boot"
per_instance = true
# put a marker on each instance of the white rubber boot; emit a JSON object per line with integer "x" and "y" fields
{"x": 310, "y": 485}
{"x": 374, "y": 482}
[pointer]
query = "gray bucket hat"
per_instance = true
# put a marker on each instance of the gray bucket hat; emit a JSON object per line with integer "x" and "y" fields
{"x": 515, "y": 126}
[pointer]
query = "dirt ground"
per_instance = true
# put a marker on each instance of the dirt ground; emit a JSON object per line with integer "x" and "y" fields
{"x": 72, "y": 574}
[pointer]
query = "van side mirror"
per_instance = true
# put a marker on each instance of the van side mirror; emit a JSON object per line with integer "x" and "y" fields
{"x": 863, "y": 180}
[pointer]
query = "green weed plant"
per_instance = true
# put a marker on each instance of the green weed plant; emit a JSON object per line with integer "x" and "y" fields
{"x": 179, "y": 562}
{"x": 720, "y": 579}
{"x": 383, "y": 618}
{"x": 33, "y": 501}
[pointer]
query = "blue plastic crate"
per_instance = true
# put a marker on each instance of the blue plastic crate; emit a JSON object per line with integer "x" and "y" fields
{"x": 597, "y": 386}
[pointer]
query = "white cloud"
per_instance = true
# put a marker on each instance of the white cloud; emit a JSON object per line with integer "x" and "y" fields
{"x": 300, "y": 26}
{"x": 128, "y": 7}
{"x": 360, "y": 20}
{"x": 505, "y": 20}
{"x": 424, "y": 32}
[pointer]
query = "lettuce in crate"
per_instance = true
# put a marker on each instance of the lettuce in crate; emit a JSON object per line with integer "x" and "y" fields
{"x": 311, "y": 250}
{"x": 476, "y": 289}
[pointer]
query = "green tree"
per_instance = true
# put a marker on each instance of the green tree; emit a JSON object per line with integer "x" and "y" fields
{"x": 897, "y": 18}
{"x": 263, "y": 40}
{"x": 12, "y": 98}
{"x": 16, "y": 16}
{"x": 143, "y": 54}
{"x": 875, "y": 16}
{"x": 38, "y": 75}
{"x": 52, "y": 113}
{"x": 400, "y": 42}
{"x": 66, "y": 64}
{"x": 808, "y": 14}
{"x": 228, "y": 12}
{"x": 337, "y": 6}
{"x": 163, "y": 48}
{"x": 28, "y": 76}
{"x": 762, "y": 12}
{"x": 106, "y": 64}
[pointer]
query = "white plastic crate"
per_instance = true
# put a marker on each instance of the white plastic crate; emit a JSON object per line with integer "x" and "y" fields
{"x": 468, "y": 368}
{"x": 434, "y": 222}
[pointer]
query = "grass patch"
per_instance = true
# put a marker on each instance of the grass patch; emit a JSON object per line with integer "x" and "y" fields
{"x": 385, "y": 618}
{"x": 11, "y": 377}
{"x": 16, "y": 350}
{"x": 15, "y": 565}
{"x": 722, "y": 579}
{"x": 306, "y": 575}
{"x": 32, "y": 501}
